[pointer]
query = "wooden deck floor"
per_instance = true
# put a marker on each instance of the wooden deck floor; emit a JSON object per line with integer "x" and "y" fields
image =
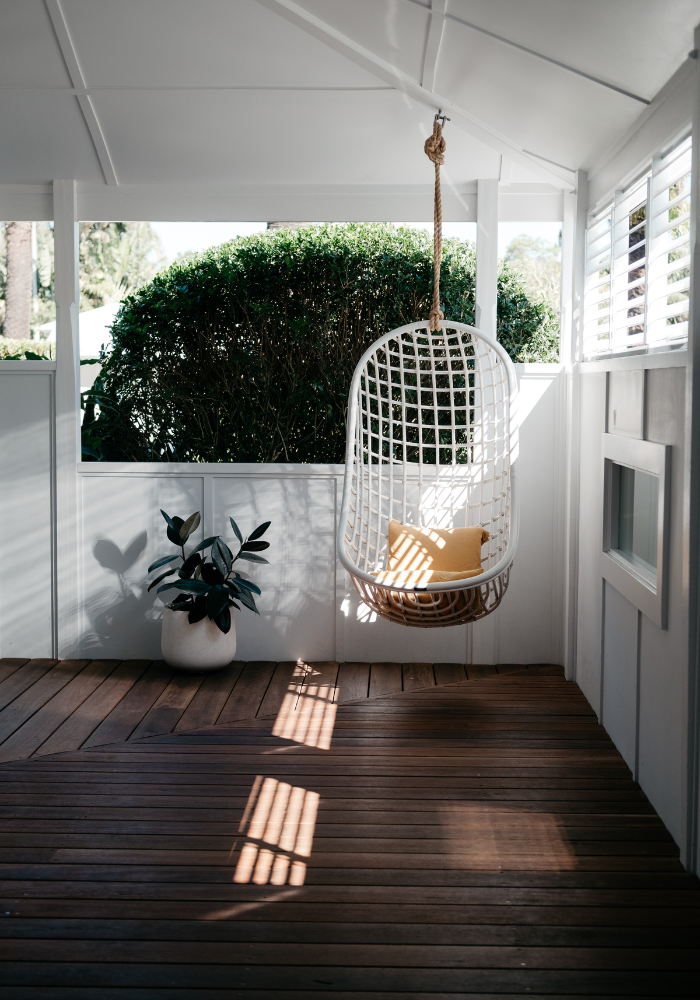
{"x": 483, "y": 839}
{"x": 52, "y": 706}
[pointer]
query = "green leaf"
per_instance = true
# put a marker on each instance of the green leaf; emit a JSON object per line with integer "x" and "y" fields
{"x": 255, "y": 546}
{"x": 182, "y": 601}
{"x": 162, "y": 577}
{"x": 87, "y": 361}
{"x": 226, "y": 554}
{"x": 198, "y": 612}
{"x": 217, "y": 599}
{"x": 168, "y": 520}
{"x": 251, "y": 557}
{"x": 223, "y": 620}
{"x": 190, "y": 525}
{"x": 247, "y": 600}
{"x": 188, "y": 586}
{"x": 217, "y": 559}
{"x": 161, "y": 562}
{"x": 247, "y": 585}
{"x": 260, "y": 530}
{"x": 236, "y": 530}
{"x": 174, "y": 525}
{"x": 190, "y": 564}
{"x": 205, "y": 544}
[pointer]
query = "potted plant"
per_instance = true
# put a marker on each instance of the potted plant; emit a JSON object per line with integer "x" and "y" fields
{"x": 198, "y": 631}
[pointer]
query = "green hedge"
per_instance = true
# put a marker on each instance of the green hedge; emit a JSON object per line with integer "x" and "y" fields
{"x": 27, "y": 350}
{"x": 245, "y": 352}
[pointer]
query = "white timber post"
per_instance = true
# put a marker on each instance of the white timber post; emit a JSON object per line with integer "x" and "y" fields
{"x": 573, "y": 277}
{"x": 482, "y": 640}
{"x": 486, "y": 255}
{"x": 67, "y": 439}
{"x": 690, "y": 851}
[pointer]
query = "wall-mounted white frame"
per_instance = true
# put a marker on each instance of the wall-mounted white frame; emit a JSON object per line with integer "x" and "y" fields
{"x": 651, "y": 598}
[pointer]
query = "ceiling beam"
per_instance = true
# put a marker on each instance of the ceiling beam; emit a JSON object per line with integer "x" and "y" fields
{"x": 561, "y": 177}
{"x": 70, "y": 58}
{"x": 432, "y": 44}
{"x": 537, "y": 55}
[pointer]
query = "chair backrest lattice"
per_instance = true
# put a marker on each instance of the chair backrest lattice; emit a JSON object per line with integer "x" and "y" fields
{"x": 429, "y": 440}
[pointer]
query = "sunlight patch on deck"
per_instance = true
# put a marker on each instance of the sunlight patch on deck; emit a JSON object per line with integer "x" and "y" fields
{"x": 506, "y": 837}
{"x": 280, "y": 833}
{"x": 307, "y": 715}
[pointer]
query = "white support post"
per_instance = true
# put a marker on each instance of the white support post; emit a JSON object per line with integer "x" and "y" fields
{"x": 67, "y": 440}
{"x": 690, "y": 851}
{"x": 572, "y": 283}
{"x": 486, "y": 255}
{"x": 482, "y": 643}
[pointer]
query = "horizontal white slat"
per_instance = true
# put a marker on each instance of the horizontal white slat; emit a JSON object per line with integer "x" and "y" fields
{"x": 656, "y": 236}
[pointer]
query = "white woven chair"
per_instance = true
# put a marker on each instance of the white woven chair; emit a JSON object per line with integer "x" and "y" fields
{"x": 431, "y": 442}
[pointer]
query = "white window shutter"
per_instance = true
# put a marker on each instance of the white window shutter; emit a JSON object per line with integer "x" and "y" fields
{"x": 638, "y": 262}
{"x": 669, "y": 265}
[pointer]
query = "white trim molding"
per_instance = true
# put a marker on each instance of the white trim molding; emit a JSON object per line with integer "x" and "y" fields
{"x": 649, "y": 596}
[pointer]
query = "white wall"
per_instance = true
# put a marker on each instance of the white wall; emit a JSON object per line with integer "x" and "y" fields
{"x": 26, "y": 508}
{"x": 635, "y": 674}
{"x": 309, "y": 607}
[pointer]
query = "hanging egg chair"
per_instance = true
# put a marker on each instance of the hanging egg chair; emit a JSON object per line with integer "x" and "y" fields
{"x": 429, "y": 519}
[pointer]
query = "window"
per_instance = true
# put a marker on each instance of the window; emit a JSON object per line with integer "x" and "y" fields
{"x": 669, "y": 263}
{"x": 638, "y": 262}
{"x": 27, "y": 306}
{"x": 635, "y": 502}
{"x": 635, "y": 522}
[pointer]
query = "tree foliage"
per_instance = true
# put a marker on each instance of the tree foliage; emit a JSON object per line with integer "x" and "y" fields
{"x": 539, "y": 264}
{"x": 116, "y": 258}
{"x": 245, "y": 352}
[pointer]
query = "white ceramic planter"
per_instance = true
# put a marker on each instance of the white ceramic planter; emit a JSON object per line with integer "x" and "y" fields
{"x": 199, "y": 647}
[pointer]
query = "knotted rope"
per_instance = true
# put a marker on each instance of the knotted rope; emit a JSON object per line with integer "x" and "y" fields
{"x": 435, "y": 150}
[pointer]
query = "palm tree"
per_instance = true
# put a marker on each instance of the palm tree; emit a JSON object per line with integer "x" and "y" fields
{"x": 18, "y": 287}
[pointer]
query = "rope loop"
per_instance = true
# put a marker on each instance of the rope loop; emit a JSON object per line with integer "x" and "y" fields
{"x": 435, "y": 150}
{"x": 435, "y": 144}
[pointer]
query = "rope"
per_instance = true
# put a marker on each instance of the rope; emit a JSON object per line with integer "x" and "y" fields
{"x": 435, "y": 150}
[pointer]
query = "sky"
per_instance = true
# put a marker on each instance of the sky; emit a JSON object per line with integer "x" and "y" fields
{"x": 183, "y": 237}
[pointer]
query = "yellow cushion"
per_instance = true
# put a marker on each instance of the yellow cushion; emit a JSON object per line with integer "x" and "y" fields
{"x": 422, "y": 577}
{"x": 451, "y": 550}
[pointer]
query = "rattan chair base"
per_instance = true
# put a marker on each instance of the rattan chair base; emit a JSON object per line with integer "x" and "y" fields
{"x": 422, "y": 609}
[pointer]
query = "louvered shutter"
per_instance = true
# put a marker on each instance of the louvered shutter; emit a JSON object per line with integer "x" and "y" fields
{"x": 638, "y": 262}
{"x": 596, "y": 335}
{"x": 629, "y": 250}
{"x": 669, "y": 265}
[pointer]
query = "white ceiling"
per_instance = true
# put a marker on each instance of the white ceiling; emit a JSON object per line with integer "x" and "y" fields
{"x": 326, "y": 92}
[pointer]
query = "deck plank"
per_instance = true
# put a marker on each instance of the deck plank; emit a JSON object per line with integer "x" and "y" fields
{"x": 353, "y": 682}
{"x": 287, "y": 680}
{"x": 130, "y": 710}
{"x": 35, "y": 697}
{"x": 169, "y": 707}
{"x": 23, "y": 678}
{"x": 82, "y": 724}
{"x": 9, "y": 665}
{"x": 212, "y": 695}
{"x": 385, "y": 679}
{"x": 417, "y": 676}
{"x": 424, "y": 866}
{"x": 449, "y": 673}
{"x": 30, "y": 736}
{"x": 245, "y": 699}
{"x": 475, "y": 671}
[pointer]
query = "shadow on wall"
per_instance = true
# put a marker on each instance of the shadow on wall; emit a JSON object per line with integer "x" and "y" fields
{"x": 114, "y": 612}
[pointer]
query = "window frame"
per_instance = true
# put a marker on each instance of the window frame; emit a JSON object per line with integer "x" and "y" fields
{"x": 654, "y": 459}
{"x": 607, "y": 245}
